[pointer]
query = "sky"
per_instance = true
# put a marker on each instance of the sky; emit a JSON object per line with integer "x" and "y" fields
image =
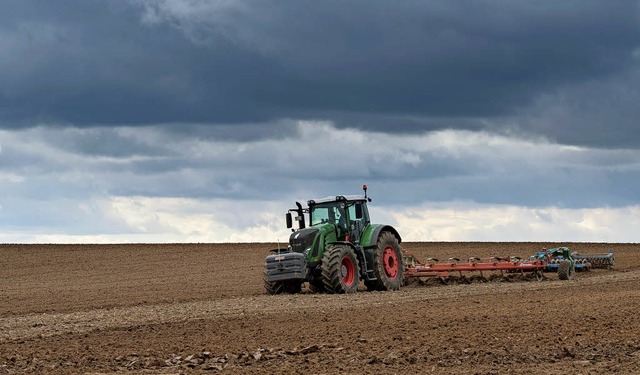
{"x": 204, "y": 120}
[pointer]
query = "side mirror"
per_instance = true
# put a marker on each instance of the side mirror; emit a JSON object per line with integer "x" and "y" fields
{"x": 358, "y": 211}
{"x": 289, "y": 220}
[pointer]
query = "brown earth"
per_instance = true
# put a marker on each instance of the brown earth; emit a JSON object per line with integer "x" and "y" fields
{"x": 200, "y": 308}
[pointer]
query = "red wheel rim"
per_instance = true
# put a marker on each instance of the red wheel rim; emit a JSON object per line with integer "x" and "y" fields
{"x": 390, "y": 262}
{"x": 348, "y": 271}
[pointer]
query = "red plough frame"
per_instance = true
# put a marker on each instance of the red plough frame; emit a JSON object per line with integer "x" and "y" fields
{"x": 433, "y": 269}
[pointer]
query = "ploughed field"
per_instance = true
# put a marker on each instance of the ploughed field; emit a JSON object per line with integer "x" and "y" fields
{"x": 201, "y": 308}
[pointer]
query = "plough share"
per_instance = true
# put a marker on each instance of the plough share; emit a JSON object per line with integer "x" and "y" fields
{"x": 434, "y": 269}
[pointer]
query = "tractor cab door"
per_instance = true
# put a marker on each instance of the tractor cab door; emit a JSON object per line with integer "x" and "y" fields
{"x": 341, "y": 221}
{"x": 359, "y": 218}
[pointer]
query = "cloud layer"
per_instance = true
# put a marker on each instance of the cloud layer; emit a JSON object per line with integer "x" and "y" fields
{"x": 151, "y": 185}
{"x": 410, "y": 67}
{"x": 204, "y": 120}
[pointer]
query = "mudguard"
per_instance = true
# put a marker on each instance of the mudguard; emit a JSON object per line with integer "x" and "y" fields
{"x": 372, "y": 232}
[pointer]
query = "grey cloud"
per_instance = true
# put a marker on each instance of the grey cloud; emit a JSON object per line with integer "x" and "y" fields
{"x": 594, "y": 113}
{"x": 247, "y": 132}
{"x": 48, "y": 185}
{"x": 102, "y": 142}
{"x": 408, "y": 66}
{"x": 77, "y": 214}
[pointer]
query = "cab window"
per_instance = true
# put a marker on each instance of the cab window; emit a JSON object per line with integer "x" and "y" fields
{"x": 328, "y": 213}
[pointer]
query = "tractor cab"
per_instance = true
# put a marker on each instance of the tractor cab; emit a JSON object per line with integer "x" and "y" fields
{"x": 347, "y": 214}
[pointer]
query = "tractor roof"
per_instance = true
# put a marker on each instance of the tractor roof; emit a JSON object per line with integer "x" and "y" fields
{"x": 337, "y": 198}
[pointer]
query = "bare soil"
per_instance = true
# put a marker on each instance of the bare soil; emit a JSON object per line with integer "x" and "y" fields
{"x": 201, "y": 308}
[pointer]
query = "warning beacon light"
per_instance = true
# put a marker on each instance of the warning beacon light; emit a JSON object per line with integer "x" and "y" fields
{"x": 364, "y": 187}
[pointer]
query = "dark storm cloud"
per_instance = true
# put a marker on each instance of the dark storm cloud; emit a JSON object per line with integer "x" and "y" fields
{"x": 231, "y": 132}
{"x": 409, "y": 66}
{"x": 84, "y": 63}
{"x": 600, "y": 113}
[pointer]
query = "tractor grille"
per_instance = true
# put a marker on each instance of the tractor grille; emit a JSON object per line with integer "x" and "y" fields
{"x": 302, "y": 239}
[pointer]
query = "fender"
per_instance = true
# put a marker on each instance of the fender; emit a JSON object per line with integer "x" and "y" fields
{"x": 372, "y": 232}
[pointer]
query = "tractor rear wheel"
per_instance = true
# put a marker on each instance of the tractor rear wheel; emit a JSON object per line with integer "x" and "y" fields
{"x": 340, "y": 272}
{"x": 388, "y": 266}
{"x": 281, "y": 287}
{"x": 565, "y": 269}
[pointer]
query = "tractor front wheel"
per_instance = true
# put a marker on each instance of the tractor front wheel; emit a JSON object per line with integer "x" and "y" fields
{"x": 388, "y": 266}
{"x": 340, "y": 272}
{"x": 281, "y": 287}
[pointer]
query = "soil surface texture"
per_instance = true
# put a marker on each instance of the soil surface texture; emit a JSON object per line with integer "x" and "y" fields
{"x": 202, "y": 308}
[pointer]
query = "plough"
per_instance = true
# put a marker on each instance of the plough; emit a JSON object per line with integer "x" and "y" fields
{"x": 597, "y": 260}
{"x": 580, "y": 262}
{"x": 559, "y": 260}
{"x": 434, "y": 269}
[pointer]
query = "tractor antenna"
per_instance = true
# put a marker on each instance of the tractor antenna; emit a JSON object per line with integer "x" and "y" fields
{"x": 364, "y": 187}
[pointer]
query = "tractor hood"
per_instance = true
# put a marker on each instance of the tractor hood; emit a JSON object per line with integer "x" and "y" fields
{"x": 302, "y": 239}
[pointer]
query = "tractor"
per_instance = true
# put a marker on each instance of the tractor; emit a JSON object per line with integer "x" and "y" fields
{"x": 338, "y": 249}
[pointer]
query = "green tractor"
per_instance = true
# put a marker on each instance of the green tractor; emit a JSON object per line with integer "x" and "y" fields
{"x": 338, "y": 249}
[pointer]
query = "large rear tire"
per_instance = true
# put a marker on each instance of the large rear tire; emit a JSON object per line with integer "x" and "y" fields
{"x": 565, "y": 269}
{"x": 388, "y": 267}
{"x": 340, "y": 271}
